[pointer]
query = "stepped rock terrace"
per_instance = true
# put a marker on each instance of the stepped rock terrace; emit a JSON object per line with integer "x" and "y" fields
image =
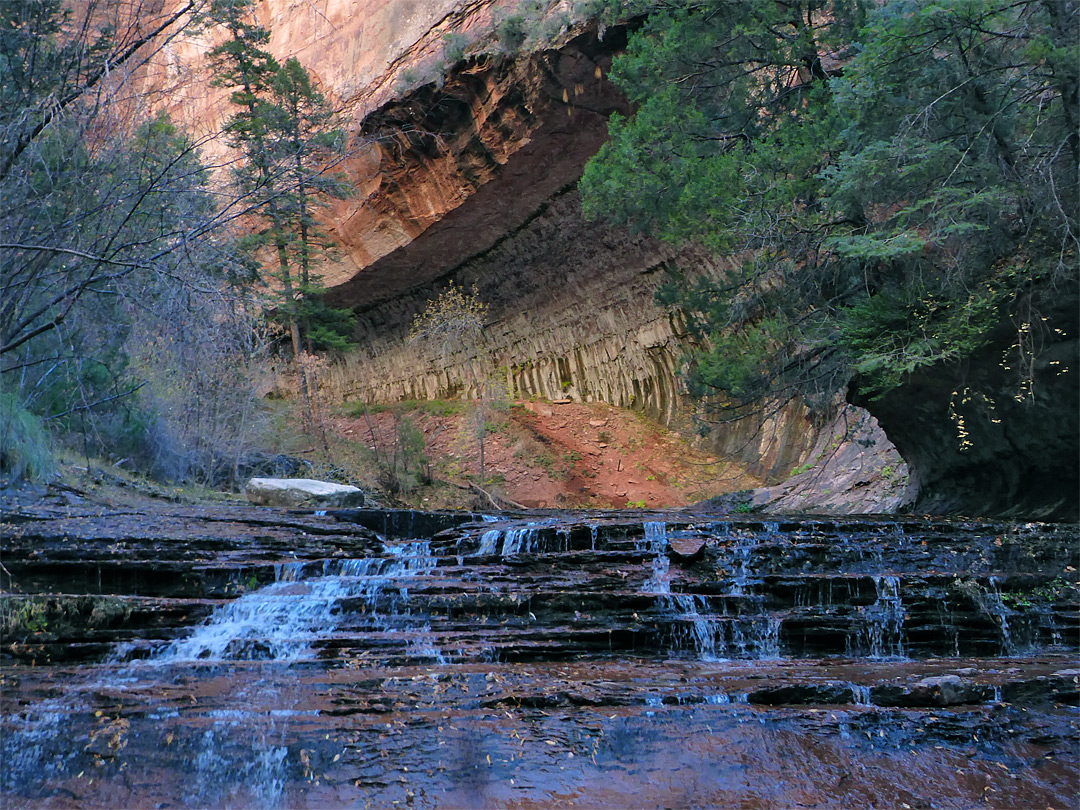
{"x": 273, "y": 658}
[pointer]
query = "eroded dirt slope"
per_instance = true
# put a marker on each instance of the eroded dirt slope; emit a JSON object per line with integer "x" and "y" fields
{"x": 542, "y": 454}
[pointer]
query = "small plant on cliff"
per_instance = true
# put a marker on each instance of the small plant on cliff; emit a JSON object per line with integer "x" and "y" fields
{"x": 511, "y": 32}
{"x": 454, "y": 45}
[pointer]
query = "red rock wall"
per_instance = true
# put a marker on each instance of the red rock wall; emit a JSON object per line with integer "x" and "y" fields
{"x": 472, "y": 179}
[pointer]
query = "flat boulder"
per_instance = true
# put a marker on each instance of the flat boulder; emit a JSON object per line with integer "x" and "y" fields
{"x": 687, "y": 549}
{"x": 302, "y": 492}
{"x": 942, "y": 690}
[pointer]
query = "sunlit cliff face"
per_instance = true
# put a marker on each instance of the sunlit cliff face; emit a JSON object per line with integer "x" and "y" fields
{"x": 355, "y": 49}
{"x": 363, "y": 54}
{"x": 471, "y": 162}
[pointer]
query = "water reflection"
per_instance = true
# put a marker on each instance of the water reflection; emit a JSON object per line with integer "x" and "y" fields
{"x": 534, "y": 662}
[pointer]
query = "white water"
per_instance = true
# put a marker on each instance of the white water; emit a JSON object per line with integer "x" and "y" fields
{"x": 991, "y": 603}
{"x": 519, "y": 541}
{"x": 696, "y": 627}
{"x": 743, "y": 551}
{"x": 489, "y": 542}
{"x": 283, "y": 621}
{"x": 885, "y": 619}
{"x": 860, "y": 694}
{"x": 655, "y": 542}
{"x": 511, "y": 542}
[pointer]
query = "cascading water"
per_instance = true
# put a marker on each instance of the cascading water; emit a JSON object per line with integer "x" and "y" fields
{"x": 885, "y": 619}
{"x": 277, "y": 625}
{"x": 860, "y": 694}
{"x": 655, "y": 543}
{"x": 743, "y": 553}
{"x": 695, "y": 626}
{"x": 519, "y": 541}
{"x": 702, "y": 632}
{"x": 593, "y": 656}
{"x": 994, "y": 606}
{"x": 281, "y": 621}
{"x": 489, "y": 542}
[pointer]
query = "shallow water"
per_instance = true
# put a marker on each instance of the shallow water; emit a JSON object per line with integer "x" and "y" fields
{"x": 575, "y": 661}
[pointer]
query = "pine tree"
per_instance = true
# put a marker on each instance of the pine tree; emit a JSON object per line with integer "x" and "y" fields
{"x": 242, "y": 63}
{"x": 307, "y": 143}
{"x": 283, "y": 128}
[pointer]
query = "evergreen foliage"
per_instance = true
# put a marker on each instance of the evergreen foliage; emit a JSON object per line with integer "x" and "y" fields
{"x": 890, "y": 174}
{"x": 284, "y": 127}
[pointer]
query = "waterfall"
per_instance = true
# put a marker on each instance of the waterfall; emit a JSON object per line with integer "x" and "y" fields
{"x": 519, "y": 541}
{"x": 617, "y": 639}
{"x": 885, "y": 619}
{"x": 655, "y": 542}
{"x": 489, "y": 542}
{"x": 281, "y": 621}
{"x": 522, "y": 540}
{"x": 860, "y": 694}
{"x": 991, "y": 603}
{"x": 703, "y": 632}
{"x": 744, "y": 550}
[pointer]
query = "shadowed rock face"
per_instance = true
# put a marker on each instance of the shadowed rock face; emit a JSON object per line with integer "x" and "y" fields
{"x": 462, "y": 166}
{"x": 981, "y": 441}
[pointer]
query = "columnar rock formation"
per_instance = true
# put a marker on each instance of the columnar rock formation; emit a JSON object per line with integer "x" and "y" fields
{"x": 467, "y": 173}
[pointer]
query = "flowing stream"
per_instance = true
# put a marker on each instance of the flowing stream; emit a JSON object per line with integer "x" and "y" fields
{"x": 367, "y": 659}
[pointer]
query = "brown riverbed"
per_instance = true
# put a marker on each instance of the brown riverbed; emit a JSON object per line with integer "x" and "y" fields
{"x": 203, "y": 657}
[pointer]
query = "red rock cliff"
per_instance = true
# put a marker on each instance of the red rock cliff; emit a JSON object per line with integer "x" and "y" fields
{"x": 471, "y": 176}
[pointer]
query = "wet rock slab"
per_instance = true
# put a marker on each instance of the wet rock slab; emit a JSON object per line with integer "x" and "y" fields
{"x": 261, "y": 657}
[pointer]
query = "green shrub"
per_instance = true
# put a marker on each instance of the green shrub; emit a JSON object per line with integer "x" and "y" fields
{"x": 439, "y": 407}
{"x": 454, "y": 44}
{"x": 407, "y": 79}
{"x": 550, "y": 29}
{"x": 24, "y": 445}
{"x": 511, "y": 32}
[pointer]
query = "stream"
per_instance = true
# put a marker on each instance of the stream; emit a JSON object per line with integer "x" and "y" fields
{"x": 185, "y": 657}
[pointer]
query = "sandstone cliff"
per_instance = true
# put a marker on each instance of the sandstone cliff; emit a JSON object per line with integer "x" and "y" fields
{"x": 467, "y": 173}
{"x": 999, "y": 433}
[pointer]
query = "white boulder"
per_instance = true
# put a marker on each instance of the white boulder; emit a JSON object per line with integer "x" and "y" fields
{"x": 302, "y": 492}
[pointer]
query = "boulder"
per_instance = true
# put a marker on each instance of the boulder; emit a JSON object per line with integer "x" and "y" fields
{"x": 943, "y": 690}
{"x": 687, "y": 549}
{"x": 302, "y": 492}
